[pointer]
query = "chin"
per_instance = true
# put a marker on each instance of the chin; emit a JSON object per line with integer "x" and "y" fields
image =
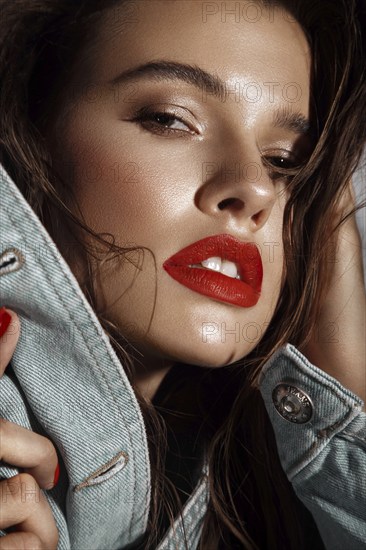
{"x": 207, "y": 354}
{"x": 217, "y": 358}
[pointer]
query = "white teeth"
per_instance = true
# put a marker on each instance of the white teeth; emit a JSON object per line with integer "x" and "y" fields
{"x": 223, "y": 266}
{"x": 229, "y": 269}
{"x": 213, "y": 263}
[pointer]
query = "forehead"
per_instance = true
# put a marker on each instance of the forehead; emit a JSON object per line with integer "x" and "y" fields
{"x": 223, "y": 34}
{"x": 244, "y": 43}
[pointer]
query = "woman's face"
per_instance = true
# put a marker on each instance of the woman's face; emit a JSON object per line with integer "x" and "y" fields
{"x": 161, "y": 159}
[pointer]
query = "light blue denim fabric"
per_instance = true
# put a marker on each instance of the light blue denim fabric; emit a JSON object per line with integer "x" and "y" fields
{"x": 70, "y": 386}
{"x": 66, "y": 382}
{"x": 325, "y": 458}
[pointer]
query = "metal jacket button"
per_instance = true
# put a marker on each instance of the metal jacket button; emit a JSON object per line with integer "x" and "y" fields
{"x": 292, "y": 404}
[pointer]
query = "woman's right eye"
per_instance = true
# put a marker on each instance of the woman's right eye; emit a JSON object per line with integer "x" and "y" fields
{"x": 163, "y": 122}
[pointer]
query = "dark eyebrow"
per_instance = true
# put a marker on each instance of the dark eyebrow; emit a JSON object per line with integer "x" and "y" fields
{"x": 293, "y": 121}
{"x": 210, "y": 84}
{"x": 163, "y": 70}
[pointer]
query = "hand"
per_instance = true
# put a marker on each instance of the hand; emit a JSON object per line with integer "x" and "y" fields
{"x": 338, "y": 343}
{"x": 25, "y": 511}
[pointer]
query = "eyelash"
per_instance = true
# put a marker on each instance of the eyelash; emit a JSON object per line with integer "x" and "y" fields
{"x": 148, "y": 120}
{"x": 282, "y": 167}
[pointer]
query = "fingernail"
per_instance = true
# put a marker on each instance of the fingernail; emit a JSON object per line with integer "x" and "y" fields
{"x": 57, "y": 475}
{"x": 5, "y": 319}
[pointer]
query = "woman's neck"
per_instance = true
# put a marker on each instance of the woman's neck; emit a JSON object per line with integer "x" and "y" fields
{"x": 149, "y": 374}
{"x": 148, "y": 381}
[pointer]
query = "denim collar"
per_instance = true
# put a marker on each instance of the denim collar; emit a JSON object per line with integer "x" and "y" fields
{"x": 72, "y": 379}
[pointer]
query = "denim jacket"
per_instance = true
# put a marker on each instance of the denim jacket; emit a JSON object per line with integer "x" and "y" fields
{"x": 66, "y": 382}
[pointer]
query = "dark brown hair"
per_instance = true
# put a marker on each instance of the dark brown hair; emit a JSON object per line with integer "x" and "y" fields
{"x": 252, "y": 504}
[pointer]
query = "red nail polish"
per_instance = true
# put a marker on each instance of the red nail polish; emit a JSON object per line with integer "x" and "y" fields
{"x": 5, "y": 319}
{"x": 57, "y": 474}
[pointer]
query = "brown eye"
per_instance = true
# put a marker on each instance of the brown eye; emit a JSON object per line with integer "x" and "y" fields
{"x": 282, "y": 166}
{"x": 282, "y": 162}
{"x": 163, "y": 122}
{"x": 169, "y": 121}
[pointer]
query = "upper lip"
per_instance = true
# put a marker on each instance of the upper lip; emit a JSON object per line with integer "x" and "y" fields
{"x": 245, "y": 255}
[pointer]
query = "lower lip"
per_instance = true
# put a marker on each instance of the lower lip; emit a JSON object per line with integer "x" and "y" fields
{"x": 214, "y": 285}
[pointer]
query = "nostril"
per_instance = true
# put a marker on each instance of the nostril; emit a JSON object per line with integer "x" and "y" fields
{"x": 258, "y": 217}
{"x": 237, "y": 204}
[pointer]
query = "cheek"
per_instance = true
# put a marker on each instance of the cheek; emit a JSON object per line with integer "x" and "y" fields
{"x": 109, "y": 180}
{"x": 120, "y": 180}
{"x": 271, "y": 244}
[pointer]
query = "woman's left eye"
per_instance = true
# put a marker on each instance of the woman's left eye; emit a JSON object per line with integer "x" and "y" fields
{"x": 163, "y": 122}
{"x": 281, "y": 166}
{"x": 282, "y": 162}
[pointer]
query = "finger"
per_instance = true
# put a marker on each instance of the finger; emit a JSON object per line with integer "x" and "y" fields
{"x": 24, "y": 505}
{"x": 26, "y": 449}
{"x": 9, "y": 336}
{"x": 20, "y": 541}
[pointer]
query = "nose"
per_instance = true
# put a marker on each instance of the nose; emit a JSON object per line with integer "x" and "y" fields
{"x": 239, "y": 192}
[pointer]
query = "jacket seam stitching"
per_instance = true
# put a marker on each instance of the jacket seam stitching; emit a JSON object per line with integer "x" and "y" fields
{"x": 92, "y": 355}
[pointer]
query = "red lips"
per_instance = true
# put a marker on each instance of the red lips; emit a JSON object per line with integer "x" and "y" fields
{"x": 243, "y": 292}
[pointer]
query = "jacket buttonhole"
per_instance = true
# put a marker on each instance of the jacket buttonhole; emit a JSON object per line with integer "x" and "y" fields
{"x": 11, "y": 260}
{"x": 104, "y": 472}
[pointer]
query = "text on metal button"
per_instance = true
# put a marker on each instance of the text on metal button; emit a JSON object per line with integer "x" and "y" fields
{"x": 292, "y": 403}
